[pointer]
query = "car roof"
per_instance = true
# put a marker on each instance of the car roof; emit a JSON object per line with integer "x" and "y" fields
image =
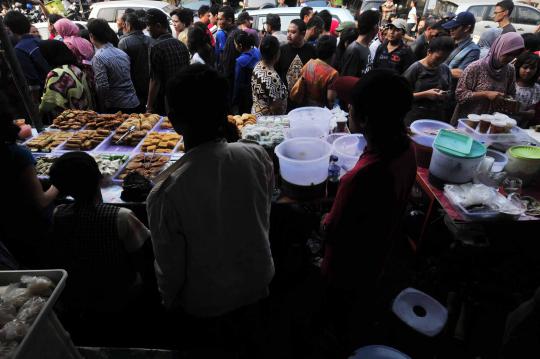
{"x": 294, "y": 10}
{"x": 480, "y": 2}
{"x": 131, "y": 3}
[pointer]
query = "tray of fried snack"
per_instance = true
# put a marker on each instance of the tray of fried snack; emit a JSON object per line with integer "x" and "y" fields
{"x": 85, "y": 140}
{"x": 160, "y": 142}
{"x": 133, "y": 130}
{"x": 107, "y": 121}
{"x": 148, "y": 165}
{"x": 165, "y": 125}
{"x": 242, "y": 120}
{"x": 71, "y": 120}
{"x": 48, "y": 141}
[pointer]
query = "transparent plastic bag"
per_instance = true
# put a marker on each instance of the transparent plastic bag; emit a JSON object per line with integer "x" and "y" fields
{"x": 469, "y": 194}
{"x": 41, "y": 286}
{"x": 7, "y": 313}
{"x": 15, "y": 295}
{"x": 30, "y": 310}
{"x": 13, "y": 331}
{"x": 7, "y": 349}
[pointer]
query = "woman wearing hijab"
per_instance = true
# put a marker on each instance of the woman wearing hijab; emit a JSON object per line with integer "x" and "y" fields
{"x": 66, "y": 85}
{"x": 489, "y": 79}
{"x": 487, "y": 39}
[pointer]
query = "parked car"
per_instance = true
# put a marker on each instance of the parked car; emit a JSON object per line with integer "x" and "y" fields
{"x": 287, "y": 14}
{"x": 43, "y": 28}
{"x": 110, "y": 10}
{"x": 258, "y": 4}
{"x": 525, "y": 18}
{"x": 194, "y": 4}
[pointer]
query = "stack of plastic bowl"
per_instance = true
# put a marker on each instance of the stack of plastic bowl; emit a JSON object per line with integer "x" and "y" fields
{"x": 524, "y": 163}
{"x": 348, "y": 150}
{"x": 303, "y": 163}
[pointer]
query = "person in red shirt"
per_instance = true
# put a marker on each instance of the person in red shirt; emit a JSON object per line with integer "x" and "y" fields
{"x": 365, "y": 219}
{"x": 205, "y": 15}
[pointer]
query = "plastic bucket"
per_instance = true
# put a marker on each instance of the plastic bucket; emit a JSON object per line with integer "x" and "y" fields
{"x": 348, "y": 149}
{"x": 451, "y": 169}
{"x": 305, "y": 131}
{"x": 311, "y": 116}
{"x": 423, "y": 150}
{"x": 304, "y": 161}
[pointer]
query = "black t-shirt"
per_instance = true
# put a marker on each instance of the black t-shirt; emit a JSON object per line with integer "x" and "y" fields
{"x": 508, "y": 28}
{"x": 355, "y": 60}
{"x": 399, "y": 60}
{"x": 291, "y": 61}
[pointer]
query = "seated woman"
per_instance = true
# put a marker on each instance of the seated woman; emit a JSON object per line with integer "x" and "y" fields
{"x": 66, "y": 86}
{"x": 490, "y": 79}
{"x": 430, "y": 79}
{"x": 527, "y": 89}
{"x": 268, "y": 91}
{"x": 98, "y": 244}
{"x": 365, "y": 219}
{"x": 24, "y": 224}
{"x": 317, "y": 77}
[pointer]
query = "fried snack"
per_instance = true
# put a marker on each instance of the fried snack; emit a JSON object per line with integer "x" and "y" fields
{"x": 86, "y": 140}
{"x": 142, "y": 122}
{"x": 73, "y": 119}
{"x": 148, "y": 166}
{"x": 242, "y": 120}
{"x": 43, "y": 165}
{"x": 48, "y": 140}
{"x": 166, "y": 124}
{"x": 160, "y": 142}
{"x": 107, "y": 121}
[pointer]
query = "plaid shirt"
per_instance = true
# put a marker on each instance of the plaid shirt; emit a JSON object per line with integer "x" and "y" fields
{"x": 167, "y": 56}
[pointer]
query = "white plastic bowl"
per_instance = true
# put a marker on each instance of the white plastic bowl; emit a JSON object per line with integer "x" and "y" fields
{"x": 334, "y": 136}
{"x": 348, "y": 149}
{"x": 500, "y": 160}
{"x": 304, "y": 131}
{"x": 419, "y": 126}
{"x": 378, "y": 352}
{"x": 304, "y": 161}
{"x": 311, "y": 116}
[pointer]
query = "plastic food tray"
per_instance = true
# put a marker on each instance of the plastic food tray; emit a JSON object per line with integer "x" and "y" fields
{"x": 45, "y": 130}
{"x": 38, "y": 155}
{"x": 174, "y": 150}
{"x": 34, "y": 343}
{"x": 117, "y": 180}
{"x": 108, "y": 146}
{"x": 62, "y": 148}
{"x": 487, "y": 215}
{"x": 114, "y": 154}
{"x": 516, "y": 135}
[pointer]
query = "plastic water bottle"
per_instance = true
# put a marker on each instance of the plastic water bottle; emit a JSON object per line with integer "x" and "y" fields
{"x": 333, "y": 177}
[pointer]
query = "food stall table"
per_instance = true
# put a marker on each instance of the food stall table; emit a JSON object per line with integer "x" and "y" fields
{"x": 437, "y": 197}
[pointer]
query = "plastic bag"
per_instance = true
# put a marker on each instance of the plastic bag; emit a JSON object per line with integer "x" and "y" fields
{"x": 15, "y": 296}
{"x": 7, "y": 313}
{"x": 30, "y": 310}
{"x": 470, "y": 194}
{"x": 7, "y": 349}
{"x": 13, "y": 331}
{"x": 41, "y": 286}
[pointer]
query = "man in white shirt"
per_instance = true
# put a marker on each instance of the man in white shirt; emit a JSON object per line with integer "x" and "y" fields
{"x": 210, "y": 216}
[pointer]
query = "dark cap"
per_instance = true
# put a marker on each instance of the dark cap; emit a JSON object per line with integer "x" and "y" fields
{"x": 155, "y": 16}
{"x": 462, "y": 19}
{"x": 243, "y": 17}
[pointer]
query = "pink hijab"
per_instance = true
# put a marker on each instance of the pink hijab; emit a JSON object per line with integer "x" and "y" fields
{"x": 82, "y": 48}
{"x": 504, "y": 44}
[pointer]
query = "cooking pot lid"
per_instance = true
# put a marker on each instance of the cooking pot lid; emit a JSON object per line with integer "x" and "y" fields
{"x": 525, "y": 152}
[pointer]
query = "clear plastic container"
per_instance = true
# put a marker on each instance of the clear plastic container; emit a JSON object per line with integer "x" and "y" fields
{"x": 348, "y": 149}
{"x": 516, "y": 135}
{"x": 304, "y": 131}
{"x": 429, "y": 128}
{"x": 311, "y": 116}
{"x": 500, "y": 160}
{"x": 304, "y": 161}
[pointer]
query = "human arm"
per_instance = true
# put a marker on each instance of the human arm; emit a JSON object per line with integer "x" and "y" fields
{"x": 153, "y": 84}
{"x": 102, "y": 83}
{"x": 134, "y": 235}
{"x": 34, "y": 191}
{"x": 153, "y": 89}
{"x": 169, "y": 245}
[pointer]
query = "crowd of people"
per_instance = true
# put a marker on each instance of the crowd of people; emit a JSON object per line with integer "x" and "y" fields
{"x": 209, "y": 219}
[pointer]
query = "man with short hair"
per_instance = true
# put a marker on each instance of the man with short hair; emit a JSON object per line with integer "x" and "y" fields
{"x": 226, "y": 27}
{"x": 357, "y": 56}
{"x": 295, "y": 54}
{"x": 326, "y": 17}
{"x": 501, "y": 15}
{"x": 34, "y": 66}
{"x": 461, "y": 28}
{"x": 393, "y": 54}
{"x": 212, "y": 26}
{"x": 245, "y": 23}
{"x": 167, "y": 57}
{"x": 273, "y": 27}
{"x": 433, "y": 29}
{"x": 314, "y": 29}
{"x": 209, "y": 264}
{"x": 306, "y": 13}
{"x": 205, "y": 16}
{"x": 136, "y": 44}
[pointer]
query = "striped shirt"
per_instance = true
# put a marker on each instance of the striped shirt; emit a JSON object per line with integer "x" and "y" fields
{"x": 113, "y": 80}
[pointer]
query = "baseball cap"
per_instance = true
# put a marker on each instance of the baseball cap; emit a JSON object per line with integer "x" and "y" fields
{"x": 463, "y": 18}
{"x": 400, "y": 24}
{"x": 243, "y": 17}
{"x": 155, "y": 16}
{"x": 345, "y": 24}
